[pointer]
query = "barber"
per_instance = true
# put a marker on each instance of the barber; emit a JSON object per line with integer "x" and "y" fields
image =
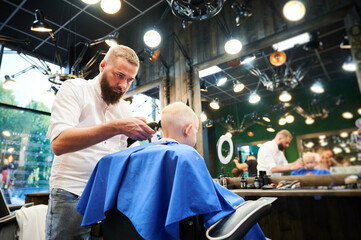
{"x": 89, "y": 119}
{"x": 271, "y": 157}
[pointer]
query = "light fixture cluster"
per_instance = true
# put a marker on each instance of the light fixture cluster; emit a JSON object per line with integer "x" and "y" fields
{"x": 108, "y": 6}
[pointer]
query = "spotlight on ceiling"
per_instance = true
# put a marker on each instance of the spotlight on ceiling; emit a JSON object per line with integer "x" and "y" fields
{"x": 266, "y": 118}
{"x": 290, "y": 118}
{"x": 317, "y": 87}
{"x": 347, "y": 115}
{"x": 9, "y": 83}
{"x": 291, "y": 42}
{"x": 309, "y": 121}
{"x": 228, "y": 134}
{"x": 278, "y": 58}
{"x": 254, "y": 98}
{"x": 270, "y": 129}
{"x": 152, "y": 38}
{"x": 39, "y": 24}
{"x": 203, "y": 87}
{"x": 203, "y": 117}
{"x": 238, "y": 86}
{"x": 233, "y": 46}
{"x": 214, "y": 104}
{"x": 349, "y": 65}
{"x": 345, "y": 43}
{"x": 110, "y": 6}
{"x": 248, "y": 58}
{"x": 242, "y": 13}
{"x": 282, "y": 121}
{"x": 285, "y": 96}
{"x": 294, "y": 10}
{"x": 90, "y": 1}
{"x": 359, "y": 111}
{"x": 221, "y": 81}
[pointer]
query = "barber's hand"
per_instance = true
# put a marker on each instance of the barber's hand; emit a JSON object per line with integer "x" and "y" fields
{"x": 298, "y": 164}
{"x": 135, "y": 128}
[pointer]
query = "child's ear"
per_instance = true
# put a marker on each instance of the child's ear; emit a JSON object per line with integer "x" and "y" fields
{"x": 187, "y": 129}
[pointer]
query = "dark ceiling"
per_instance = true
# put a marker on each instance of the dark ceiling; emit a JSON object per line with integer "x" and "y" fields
{"x": 75, "y": 21}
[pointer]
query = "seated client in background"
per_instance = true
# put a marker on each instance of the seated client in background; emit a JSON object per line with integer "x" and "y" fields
{"x": 309, "y": 161}
{"x": 157, "y": 185}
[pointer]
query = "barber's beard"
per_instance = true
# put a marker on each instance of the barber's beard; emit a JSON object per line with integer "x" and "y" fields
{"x": 280, "y": 147}
{"x": 108, "y": 95}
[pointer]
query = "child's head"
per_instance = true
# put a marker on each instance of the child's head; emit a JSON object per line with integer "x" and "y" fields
{"x": 180, "y": 123}
{"x": 309, "y": 160}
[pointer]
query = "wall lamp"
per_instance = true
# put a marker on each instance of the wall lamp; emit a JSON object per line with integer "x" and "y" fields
{"x": 10, "y": 83}
{"x": 40, "y": 25}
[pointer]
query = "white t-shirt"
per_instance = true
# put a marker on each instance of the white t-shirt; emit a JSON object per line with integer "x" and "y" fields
{"x": 269, "y": 156}
{"x": 78, "y": 103}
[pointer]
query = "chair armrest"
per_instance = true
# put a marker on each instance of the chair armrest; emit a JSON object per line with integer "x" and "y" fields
{"x": 236, "y": 225}
{"x": 18, "y": 206}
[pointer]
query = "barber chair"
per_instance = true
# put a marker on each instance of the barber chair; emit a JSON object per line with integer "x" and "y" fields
{"x": 232, "y": 227}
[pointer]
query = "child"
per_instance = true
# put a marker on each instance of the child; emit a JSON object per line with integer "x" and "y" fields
{"x": 309, "y": 161}
{"x": 156, "y": 185}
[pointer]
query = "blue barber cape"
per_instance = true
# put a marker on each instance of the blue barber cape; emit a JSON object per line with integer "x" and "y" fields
{"x": 157, "y": 185}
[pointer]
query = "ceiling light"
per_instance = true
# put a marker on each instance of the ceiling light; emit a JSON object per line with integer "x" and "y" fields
{"x": 317, "y": 87}
{"x": 349, "y": 65}
{"x": 90, "y": 1}
{"x": 203, "y": 117}
{"x": 266, "y": 118}
{"x": 285, "y": 96}
{"x": 359, "y": 111}
{"x": 290, "y": 119}
{"x": 291, "y": 42}
{"x": 228, "y": 134}
{"x": 152, "y": 38}
{"x": 344, "y": 134}
{"x": 221, "y": 81}
{"x": 345, "y": 44}
{"x": 6, "y": 133}
{"x": 39, "y": 24}
{"x": 309, "y": 144}
{"x": 347, "y": 150}
{"x": 110, "y": 6}
{"x": 209, "y": 71}
{"x": 323, "y": 143}
{"x": 347, "y": 115}
{"x": 278, "y": 58}
{"x": 214, "y": 104}
{"x": 294, "y": 10}
{"x": 337, "y": 150}
{"x": 254, "y": 98}
{"x": 9, "y": 83}
{"x": 237, "y": 86}
{"x": 309, "y": 121}
{"x": 209, "y": 124}
{"x": 250, "y": 133}
{"x": 233, "y": 46}
{"x": 282, "y": 121}
{"x": 270, "y": 129}
{"x": 111, "y": 40}
{"x": 322, "y": 137}
{"x": 248, "y": 58}
{"x": 203, "y": 87}
{"x": 352, "y": 159}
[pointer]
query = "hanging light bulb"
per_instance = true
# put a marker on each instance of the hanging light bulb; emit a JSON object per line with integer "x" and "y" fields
{"x": 110, "y": 6}
{"x": 309, "y": 121}
{"x": 294, "y": 10}
{"x": 152, "y": 38}
{"x": 347, "y": 115}
{"x": 282, "y": 121}
{"x": 203, "y": 117}
{"x": 317, "y": 87}
{"x": 233, "y": 46}
{"x": 90, "y": 1}
{"x": 254, "y": 98}
{"x": 285, "y": 96}
{"x": 290, "y": 118}
{"x": 214, "y": 104}
{"x": 237, "y": 86}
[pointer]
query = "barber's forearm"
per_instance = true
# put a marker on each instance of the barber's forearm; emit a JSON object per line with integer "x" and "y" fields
{"x": 281, "y": 169}
{"x": 75, "y": 139}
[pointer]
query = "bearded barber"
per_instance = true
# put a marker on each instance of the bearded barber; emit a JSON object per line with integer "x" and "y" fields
{"x": 89, "y": 119}
{"x": 271, "y": 157}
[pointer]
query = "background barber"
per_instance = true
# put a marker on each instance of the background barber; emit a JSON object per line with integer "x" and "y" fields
{"x": 88, "y": 121}
{"x": 271, "y": 157}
